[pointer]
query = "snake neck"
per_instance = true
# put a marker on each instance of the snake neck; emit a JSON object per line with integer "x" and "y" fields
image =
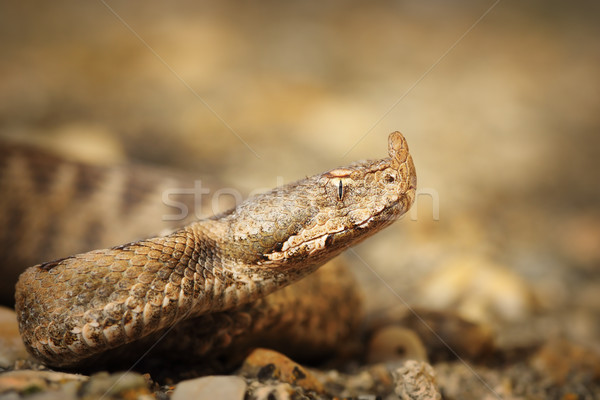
{"x": 229, "y": 273}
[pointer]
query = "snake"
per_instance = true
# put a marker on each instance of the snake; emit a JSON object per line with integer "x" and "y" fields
{"x": 236, "y": 275}
{"x": 55, "y": 204}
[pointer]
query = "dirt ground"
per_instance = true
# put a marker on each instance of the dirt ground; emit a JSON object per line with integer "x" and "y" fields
{"x": 498, "y": 100}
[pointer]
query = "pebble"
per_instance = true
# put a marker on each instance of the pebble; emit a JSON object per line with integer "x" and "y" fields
{"x": 415, "y": 380}
{"x": 11, "y": 345}
{"x": 395, "y": 343}
{"x": 374, "y": 380}
{"x": 28, "y": 382}
{"x": 447, "y": 335}
{"x": 118, "y": 385}
{"x": 211, "y": 387}
{"x": 560, "y": 361}
{"x": 279, "y": 391}
{"x": 268, "y": 365}
{"x": 479, "y": 290}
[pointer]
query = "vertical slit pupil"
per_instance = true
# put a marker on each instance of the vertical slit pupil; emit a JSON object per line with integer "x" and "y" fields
{"x": 340, "y": 190}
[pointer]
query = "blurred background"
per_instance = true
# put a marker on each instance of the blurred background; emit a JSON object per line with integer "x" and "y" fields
{"x": 499, "y": 103}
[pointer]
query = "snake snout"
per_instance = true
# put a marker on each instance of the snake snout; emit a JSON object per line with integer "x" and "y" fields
{"x": 402, "y": 162}
{"x": 398, "y": 148}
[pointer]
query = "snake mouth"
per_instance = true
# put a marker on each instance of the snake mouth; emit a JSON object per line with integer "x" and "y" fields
{"x": 297, "y": 245}
{"x": 300, "y": 244}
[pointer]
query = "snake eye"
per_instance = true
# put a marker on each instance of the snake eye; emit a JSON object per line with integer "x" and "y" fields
{"x": 340, "y": 190}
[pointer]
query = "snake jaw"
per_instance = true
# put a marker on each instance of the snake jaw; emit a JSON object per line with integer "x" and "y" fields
{"x": 304, "y": 244}
{"x": 307, "y": 247}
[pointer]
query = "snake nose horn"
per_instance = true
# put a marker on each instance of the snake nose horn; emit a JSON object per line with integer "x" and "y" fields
{"x": 397, "y": 147}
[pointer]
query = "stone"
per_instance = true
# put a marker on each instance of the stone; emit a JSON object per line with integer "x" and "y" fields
{"x": 269, "y": 365}
{"x": 415, "y": 380}
{"x": 28, "y": 382}
{"x": 560, "y": 360}
{"x": 121, "y": 385}
{"x": 446, "y": 335}
{"x": 479, "y": 289}
{"x": 275, "y": 391}
{"x": 395, "y": 343}
{"x": 211, "y": 387}
{"x": 374, "y": 381}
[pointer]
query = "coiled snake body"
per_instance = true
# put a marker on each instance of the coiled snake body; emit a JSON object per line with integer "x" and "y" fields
{"x": 74, "y": 309}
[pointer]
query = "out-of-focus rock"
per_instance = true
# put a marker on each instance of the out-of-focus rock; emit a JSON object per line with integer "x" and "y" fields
{"x": 211, "y": 387}
{"x": 478, "y": 289}
{"x": 123, "y": 385}
{"x": 395, "y": 343}
{"x": 374, "y": 380}
{"x": 560, "y": 360}
{"x": 27, "y": 382}
{"x": 444, "y": 334}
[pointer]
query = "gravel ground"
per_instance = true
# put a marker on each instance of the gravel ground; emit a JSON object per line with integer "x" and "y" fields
{"x": 498, "y": 102}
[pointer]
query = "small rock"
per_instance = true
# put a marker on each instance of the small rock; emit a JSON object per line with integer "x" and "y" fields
{"x": 560, "y": 360}
{"x": 22, "y": 382}
{"x": 415, "y": 380}
{"x": 479, "y": 290}
{"x": 374, "y": 381}
{"x": 27, "y": 382}
{"x": 395, "y": 343}
{"x": 211, "y": 387}
{"x": 277, "y": 391}
{"x": 11, "y": 345}
{"x": 447, "y": 335}
{"x": 121, "y": 385}
{"x": 267, "y": 365}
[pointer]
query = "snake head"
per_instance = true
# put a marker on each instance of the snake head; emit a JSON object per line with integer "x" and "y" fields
{"x": 311, "y": 221}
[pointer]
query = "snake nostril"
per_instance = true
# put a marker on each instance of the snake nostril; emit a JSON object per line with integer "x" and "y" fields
{"x": 389, "y": 178}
